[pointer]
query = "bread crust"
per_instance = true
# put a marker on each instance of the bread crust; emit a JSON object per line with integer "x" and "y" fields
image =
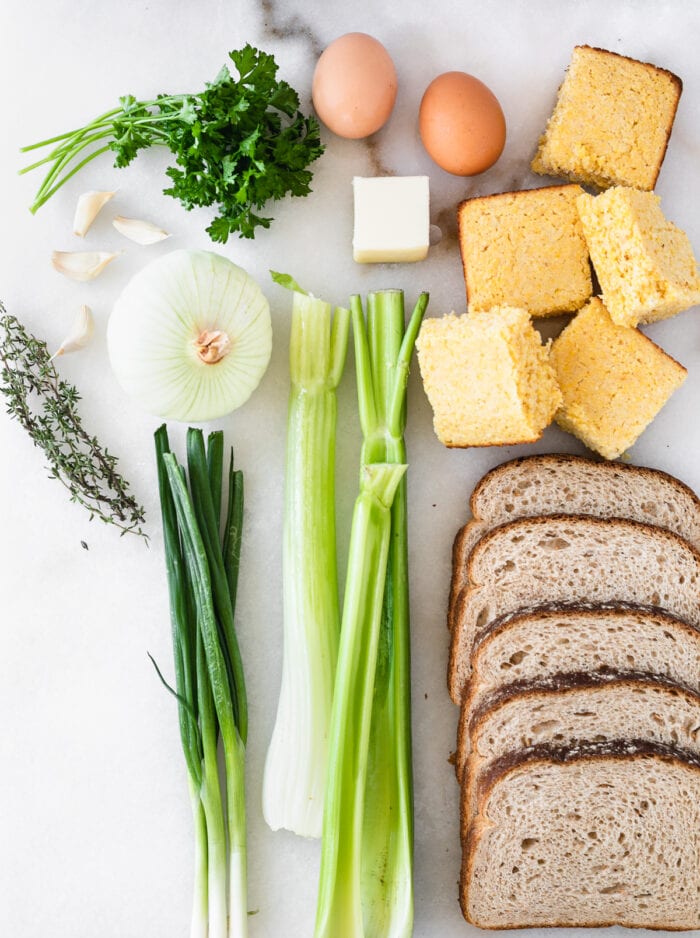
{"x": 545, "y": 462}
{"x": 569, "y": 682}
{"x": 509, "y": 442}
{"x": 557, "y": 460}
{"x": 541, "y": 755}
{"x": 455, "y": 691}
{"x": 543, "y": 520}
{"x": 456, "y": 580}
{"x": 656, "y": 68}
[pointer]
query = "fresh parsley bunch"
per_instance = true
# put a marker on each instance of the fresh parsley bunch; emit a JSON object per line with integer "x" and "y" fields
{"x": 239, "y": 144}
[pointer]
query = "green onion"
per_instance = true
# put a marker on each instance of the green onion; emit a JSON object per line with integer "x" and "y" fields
{"x": 297, "y": 759}
{"x": 366, "y": 886}
{"x": 209, "y": 680}
{"x": 184, "y": 638}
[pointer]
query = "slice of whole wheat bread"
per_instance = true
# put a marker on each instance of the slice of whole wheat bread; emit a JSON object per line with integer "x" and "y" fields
{"x": 561, "y": 484}
{"x": 544, "y": 639}
{"x": 597, "y": 835}
{"x": 568, "y": 708}
{"x": 573, "y": 558}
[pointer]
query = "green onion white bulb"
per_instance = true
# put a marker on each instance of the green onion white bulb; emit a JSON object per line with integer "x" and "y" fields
{"x": 190, "y": 337}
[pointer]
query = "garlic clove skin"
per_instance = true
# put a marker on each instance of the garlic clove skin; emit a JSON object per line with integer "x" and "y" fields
{"x": 88, "y": 208}
{"x": 142, "y": 232}
{"x": 80, "y": 333}
{"x": 82, "y": 265}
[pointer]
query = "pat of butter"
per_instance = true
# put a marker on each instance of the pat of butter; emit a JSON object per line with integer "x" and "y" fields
{"x": 392, "y": 219}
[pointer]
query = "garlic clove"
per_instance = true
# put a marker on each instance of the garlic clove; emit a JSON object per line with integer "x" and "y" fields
{"x": 87, "y": 210}
{"x": 142, "y": 232}
{"x": 81, "y": 265}
{"x": 80, "y": 333}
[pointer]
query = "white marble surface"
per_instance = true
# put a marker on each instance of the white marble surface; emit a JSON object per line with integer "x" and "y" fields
{"x": 95, "y": 835}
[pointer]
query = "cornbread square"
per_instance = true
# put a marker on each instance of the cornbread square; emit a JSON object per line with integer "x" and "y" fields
{"x": 525, "y": 249}
{"x": 611, "y": 122}
{"x": 487, "y": 377}
{"x": 645, "y": 265}
{"x": 613, "y": 379}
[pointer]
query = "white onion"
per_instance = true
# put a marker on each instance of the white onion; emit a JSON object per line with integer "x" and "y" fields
{"x": 190, "y": 337}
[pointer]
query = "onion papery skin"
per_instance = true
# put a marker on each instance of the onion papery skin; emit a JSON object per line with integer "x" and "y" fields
{"x": 154, "y": 327}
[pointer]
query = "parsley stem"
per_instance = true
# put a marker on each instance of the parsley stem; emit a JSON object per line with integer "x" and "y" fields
{"x": 93, "y": 132}
{"x": 60, "y": 164}
{"x": 71, "y": 133}
{"x": 63, "y": 155}
{"x": 44, "y": 197}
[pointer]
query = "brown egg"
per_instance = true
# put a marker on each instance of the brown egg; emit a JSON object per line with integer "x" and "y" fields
{"x": 354, "y": 86}
{"x": 461, "y": 124}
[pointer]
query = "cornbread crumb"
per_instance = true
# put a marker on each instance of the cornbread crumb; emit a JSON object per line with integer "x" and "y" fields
{"x": 613, "y": 379}
{"x": 645, "y": 265}
{"x": 611, "y": 122}
{"x": 526, "y": 250}
{"x": 487, "y": 377}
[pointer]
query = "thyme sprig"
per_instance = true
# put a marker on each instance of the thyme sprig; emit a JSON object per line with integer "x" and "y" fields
{"x": 46, "y": 406}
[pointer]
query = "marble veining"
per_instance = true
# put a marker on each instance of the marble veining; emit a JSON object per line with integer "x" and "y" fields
{"x": 289, "y": 28}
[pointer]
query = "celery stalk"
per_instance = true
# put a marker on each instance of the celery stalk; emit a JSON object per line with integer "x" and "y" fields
{"x": 366, "y": 888}
{"x": 297, "y": 759}
{"x": 339, "y": 913}
{"x": 382, "y": 355}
